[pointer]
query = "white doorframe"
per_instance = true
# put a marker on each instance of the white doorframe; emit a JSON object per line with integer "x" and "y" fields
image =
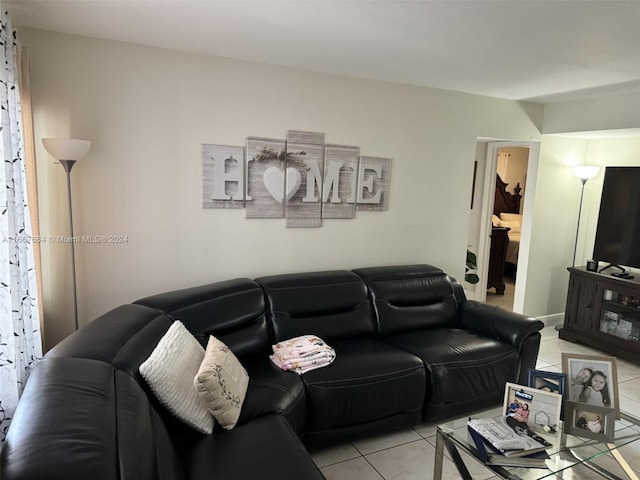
{"x": 488, "y": 197}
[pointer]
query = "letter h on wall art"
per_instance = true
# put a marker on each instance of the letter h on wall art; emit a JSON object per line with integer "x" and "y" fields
{"x": 301, "y": 179}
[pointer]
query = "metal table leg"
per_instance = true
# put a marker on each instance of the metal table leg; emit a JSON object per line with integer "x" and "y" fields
{"x": 437, "y": 464}
{"x": 443, "y": 440}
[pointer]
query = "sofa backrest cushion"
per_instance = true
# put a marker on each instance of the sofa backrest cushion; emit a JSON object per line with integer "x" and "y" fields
{"x": 232, "y": 310}
{"x": 123, "y": 337}
{"x": 411, "y": 297}
{"x": 332, "y": 305}
{"x": 84, "y": 419}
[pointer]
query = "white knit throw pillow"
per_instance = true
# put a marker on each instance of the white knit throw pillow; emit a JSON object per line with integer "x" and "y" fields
{"x": 169, "y": 371}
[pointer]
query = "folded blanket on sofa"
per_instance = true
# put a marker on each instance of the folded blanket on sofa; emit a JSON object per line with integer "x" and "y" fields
{"x": 302, "y": 354}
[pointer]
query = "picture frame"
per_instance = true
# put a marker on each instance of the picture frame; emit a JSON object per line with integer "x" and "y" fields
{"x": 473, "y": 185}
{"x": 592, "y": 379}
{"x": 590, "y": 421}
{"x": 553, "y": 382}
{"x": 543, "y": 408}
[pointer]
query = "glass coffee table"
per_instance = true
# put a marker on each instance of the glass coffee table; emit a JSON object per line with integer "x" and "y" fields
{"x": 571, "y": 456}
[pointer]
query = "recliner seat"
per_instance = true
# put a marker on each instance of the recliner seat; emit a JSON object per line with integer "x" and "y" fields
{"x": 370, "y": 381}
{"x": 421, "y": 310}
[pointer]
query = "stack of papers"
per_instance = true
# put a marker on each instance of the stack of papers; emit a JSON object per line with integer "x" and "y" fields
{"x": 506, "y": 441}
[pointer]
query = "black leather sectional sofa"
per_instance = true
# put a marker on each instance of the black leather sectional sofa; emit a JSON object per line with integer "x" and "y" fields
{"x": 409, "y": 347}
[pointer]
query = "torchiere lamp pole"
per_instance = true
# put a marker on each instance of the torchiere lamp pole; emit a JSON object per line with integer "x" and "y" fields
{"x": 583, "y": 173}
{"x": 67, "y": 151}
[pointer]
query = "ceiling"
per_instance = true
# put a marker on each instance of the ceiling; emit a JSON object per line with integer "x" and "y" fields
{"x": 542, "y": 51}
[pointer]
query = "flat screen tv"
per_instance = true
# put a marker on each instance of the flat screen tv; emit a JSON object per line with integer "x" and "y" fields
{"x": 618, "y": 233}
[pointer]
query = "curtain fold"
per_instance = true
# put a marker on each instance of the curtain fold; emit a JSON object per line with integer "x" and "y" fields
{"x": 20, "y": 343}
{"x": 24, "y": 86}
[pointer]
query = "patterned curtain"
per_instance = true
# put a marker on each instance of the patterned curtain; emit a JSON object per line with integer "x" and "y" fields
{"x": 20, "y": 345}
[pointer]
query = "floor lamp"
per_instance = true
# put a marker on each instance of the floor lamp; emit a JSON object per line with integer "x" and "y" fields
{"x": 583, "y": 173}
{"x": 67, "y": 151}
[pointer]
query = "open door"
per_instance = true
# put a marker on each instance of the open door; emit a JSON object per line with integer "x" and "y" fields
{"x": 484, "y": 242}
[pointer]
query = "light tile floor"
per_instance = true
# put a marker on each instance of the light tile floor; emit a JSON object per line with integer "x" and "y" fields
{"x": 409, "y": 454}
{"x": 505, "y": 301}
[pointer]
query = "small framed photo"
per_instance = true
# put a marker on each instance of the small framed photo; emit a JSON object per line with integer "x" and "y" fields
{"x": 590, "y": 421}
{"x": 537, "y": 409}
{"x": 551, "y": 382}
{"x": 592, "y": 380}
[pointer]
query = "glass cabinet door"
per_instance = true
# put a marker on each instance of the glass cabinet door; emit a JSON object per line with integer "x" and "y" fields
{"x": 620, "y": 314}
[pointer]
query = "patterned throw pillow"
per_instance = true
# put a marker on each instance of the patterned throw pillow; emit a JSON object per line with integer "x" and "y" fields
{"x": 169, "y": 371}
{"x": 222, "y": 383}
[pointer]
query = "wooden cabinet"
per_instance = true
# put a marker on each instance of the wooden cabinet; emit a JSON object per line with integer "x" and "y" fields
{"x": 499, "y": 243}
{"x": 603, "y": 312}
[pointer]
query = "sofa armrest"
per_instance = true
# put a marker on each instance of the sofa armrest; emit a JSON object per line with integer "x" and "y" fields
{"x": 498, "y": 323}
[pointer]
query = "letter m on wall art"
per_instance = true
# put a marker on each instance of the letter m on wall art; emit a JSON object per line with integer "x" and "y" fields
{"x": 301, "y": 179}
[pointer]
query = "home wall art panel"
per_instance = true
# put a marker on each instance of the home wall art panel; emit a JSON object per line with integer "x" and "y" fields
{"x": 222, "y": 176}
{"x": 301, "y": 179}
{"x": 265, "y": 177}
{"x": 340, "y": 181}
{"x": 304, "y": 174}
{"x": 374, "y": 175}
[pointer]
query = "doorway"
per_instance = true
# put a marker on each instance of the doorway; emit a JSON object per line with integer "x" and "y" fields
{"x": 484, "y": 224}
{"x": 510, "y": 189}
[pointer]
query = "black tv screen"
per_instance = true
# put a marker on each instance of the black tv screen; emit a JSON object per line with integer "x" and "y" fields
{"x": 618, "y": 233}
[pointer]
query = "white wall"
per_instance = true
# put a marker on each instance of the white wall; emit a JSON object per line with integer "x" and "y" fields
{"x": 473, "y": 238}
{"x": 610, "y": 112}
{"x": 554, "y": 219}
{"x": 147, "y": 112}
{"x": 558, "y": 191}
{"x": 556, "y": 212}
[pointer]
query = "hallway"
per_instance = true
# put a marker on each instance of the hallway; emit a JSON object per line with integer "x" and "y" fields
{"x": 505, "y": 301}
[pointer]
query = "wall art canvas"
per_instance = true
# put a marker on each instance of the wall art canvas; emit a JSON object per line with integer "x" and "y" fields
{"x": 266, "y": 182}
{"x": 340, "y": 186}
{"x": 222, "y": 176}
{"x": 305, "y": 168}
{"x": 374, "y": 176}
{"x": 301, "y": 179}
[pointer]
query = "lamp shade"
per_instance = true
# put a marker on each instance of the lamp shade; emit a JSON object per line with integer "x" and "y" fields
{"x": 585, "y": 172}
{"x": 66, "y": 148}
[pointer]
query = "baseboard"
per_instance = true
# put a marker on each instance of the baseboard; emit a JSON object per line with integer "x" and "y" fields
{"x": 552, "y": 320}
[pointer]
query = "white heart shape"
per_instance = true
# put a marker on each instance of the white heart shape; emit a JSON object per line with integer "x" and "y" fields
{"x": 294, "y": 179}
{"x": 273, "y": 179}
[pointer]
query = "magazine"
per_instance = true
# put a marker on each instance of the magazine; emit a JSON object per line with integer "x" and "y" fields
{"x": 534, "y": 460}
{"x": 509, "y": 436}
{"x": 491, "y": 456}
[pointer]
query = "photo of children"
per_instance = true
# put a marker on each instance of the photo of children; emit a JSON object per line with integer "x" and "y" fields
{"x": 579, "y": 381}
{"x": 596, "y": 391}
{"x": 592, "y": 380}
